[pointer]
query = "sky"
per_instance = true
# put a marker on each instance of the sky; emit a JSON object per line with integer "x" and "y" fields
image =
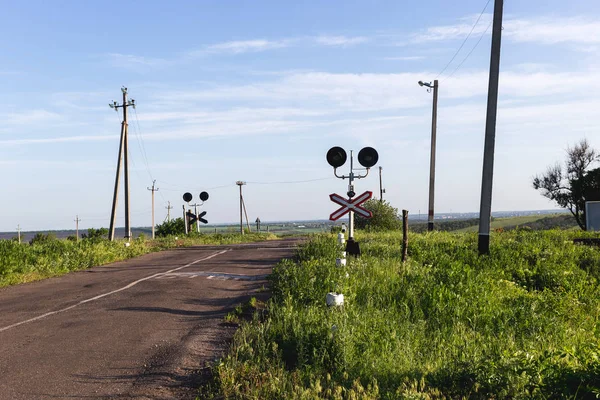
{"x": 258, "y": 91}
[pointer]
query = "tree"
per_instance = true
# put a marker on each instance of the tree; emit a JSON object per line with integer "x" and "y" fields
{"x": 95, "y": 235}
{"x": 174, "y": 227}
{"x": 385, "y": 217}
{"x": 572, "y": 186}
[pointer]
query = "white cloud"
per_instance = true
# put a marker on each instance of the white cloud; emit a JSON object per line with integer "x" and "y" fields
{"x": 245, "y": 46}
{"x": 544, "y": 30}
{"x": 406, "y": 58}
{"x": 549, "y": 30}
{"x": 134, "y": 61}
{"x": 343, "y": 41}
{"x": 29, "y": 117}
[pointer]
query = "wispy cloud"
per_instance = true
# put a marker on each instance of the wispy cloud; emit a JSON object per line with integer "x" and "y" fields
{"x": 134, "y": 61}
{"x": 544, "y": 30}
{"x": 406, "y": 58}
{"x": 29, "y": 117}
{"x": 245, "y": 46}
{"x": 64, "y": 139}
{"x": 547, "y": 30}
{"x": 343, "y": 41}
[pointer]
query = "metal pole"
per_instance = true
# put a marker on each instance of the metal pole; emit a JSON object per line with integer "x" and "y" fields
{"x": 485, "y": 211}
{"x": 351, "y": 189}
{"x": 432, "y": 157}
{"x": 126, "y": 160}
{"x": 197, "y": 219}
{"x": 380, "y": 187}
{"x": 185, "y": 221}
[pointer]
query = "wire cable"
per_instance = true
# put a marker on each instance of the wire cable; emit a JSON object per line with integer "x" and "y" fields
{"x": 286, "y": 182}
{"x": 464, "y": 41}
{"x": 470, "y": 52}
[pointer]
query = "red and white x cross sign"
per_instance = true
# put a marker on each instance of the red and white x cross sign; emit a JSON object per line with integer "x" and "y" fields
{"x": 350, "y": 205}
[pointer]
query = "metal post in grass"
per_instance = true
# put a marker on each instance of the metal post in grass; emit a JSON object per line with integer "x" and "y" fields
{"x": 404, "y": 234}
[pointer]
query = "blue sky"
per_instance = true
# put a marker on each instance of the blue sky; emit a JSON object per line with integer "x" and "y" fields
{"x": 260, "y": 90}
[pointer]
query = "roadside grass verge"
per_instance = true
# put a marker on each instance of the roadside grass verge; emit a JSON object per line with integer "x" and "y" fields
{"x": 523, "y": 322}
{"x": 20, "y": 263}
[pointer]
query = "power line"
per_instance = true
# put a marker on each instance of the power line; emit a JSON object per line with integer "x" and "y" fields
{"x": 470, "y": 52}
{"x": 286, "y": 182}
{"x": 464, "y": 41}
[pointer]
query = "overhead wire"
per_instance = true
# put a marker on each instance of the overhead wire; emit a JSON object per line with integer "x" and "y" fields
{"x": 465, "y": 40}
{"x": 470, "y": 52}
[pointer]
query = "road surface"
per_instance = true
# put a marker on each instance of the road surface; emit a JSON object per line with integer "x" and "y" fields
{"x": 138, "y": 329}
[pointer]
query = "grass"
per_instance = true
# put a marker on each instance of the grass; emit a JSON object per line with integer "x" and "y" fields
{"x": 21, "y": 263}
{"x": 501, "y": 223}
{"x": 523, "y": 322}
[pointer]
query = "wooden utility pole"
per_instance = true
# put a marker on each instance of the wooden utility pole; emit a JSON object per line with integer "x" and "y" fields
{"x": 485, "y": 210}
{"x": 77, "y": 227}
{"x": 123, "y": 154}
{"x": 169, "y": 208}
{"x": 153, "y": 190}
{"x": 240, "y": 184}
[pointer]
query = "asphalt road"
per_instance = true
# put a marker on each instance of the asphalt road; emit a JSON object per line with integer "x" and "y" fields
{"x": 139, "y": 329}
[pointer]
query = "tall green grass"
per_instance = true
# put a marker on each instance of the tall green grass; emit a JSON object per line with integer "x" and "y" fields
{"x": 21, "y": 263}
{"x": 522, "y": 322}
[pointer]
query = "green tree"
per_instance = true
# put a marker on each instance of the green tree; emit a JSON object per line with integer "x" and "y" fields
{"x": 385, "y": 217}
{"x": 174, "y": 227}
{"x": 95, "y": 235}
{"x": 577, "y": 183}
{"x": 41, "y": 238}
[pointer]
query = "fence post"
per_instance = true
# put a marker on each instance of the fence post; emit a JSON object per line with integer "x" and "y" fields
{"x": 404, "y": 234}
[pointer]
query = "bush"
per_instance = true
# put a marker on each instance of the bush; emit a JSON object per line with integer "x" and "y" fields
{"x": 95, "y": 235}
{"x": 385, "y": 217}
{"x": 173, "y": 227}
{"x": 41, "y": 238}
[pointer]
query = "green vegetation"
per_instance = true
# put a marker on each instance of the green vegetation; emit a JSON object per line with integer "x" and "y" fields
{"x": 523, "y": 322}
{"x": 47, "y": 256}
{"x": 385, "y": 217}
{"x": 577, "y": 183}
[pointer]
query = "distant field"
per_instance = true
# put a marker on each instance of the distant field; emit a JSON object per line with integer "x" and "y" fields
{"x": 508, "y": 222}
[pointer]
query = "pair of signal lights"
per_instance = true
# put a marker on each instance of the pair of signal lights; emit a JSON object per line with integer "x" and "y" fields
{"x": 187, "y": 197}
{"x": 367, "y": 157}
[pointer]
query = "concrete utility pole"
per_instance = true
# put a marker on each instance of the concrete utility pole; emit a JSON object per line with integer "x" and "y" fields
{"x": 19, "y": 233}
{"x": 169, "y": 208}
{"x": 432, "y": 156}
{"x": 240, "y": 184}
{"x": 123, "y": 154}
{"x": 485, "y": 210}
{"x": 77, "y": 227}
{"x": 153, "y": 190}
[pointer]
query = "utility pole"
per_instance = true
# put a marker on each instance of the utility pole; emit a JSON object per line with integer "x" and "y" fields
{"x": 19, "y": 233}
{"x": 381, "y": 190}
{"x": 77, "y": 227}
{"x": 240, "y": 184}
{"x": 169, "y": 208}
{"x": 153, "y": 190}
{"x": 123, "y": 154}
{"x": 485, "y": 210}
{"x": 432, "y": 156}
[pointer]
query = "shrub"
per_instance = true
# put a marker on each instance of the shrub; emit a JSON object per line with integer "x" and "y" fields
{"x": 385, "y": 217}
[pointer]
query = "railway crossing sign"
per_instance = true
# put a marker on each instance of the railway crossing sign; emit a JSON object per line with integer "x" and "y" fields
{"x": 192, "y": 217}
{"x": 348, "y": 205}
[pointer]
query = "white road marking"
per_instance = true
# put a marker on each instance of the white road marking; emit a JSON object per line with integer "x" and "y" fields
{"x": 111, "y": 292}
{"x": 224, "y": 276}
